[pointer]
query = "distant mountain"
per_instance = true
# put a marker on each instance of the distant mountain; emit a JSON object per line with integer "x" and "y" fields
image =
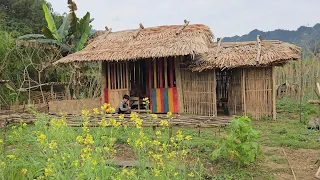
{"x": 303, "y": 36}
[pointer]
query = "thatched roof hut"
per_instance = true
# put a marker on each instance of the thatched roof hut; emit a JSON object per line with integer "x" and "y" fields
{"x": 244, "y": 54}
{"x": 161, "y": 41}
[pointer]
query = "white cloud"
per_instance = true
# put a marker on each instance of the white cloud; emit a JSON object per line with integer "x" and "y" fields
{"x": 225, "y": 18}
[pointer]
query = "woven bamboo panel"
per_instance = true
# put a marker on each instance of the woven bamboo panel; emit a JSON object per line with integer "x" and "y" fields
{"x": 73, "y": 106}
{"x": 258, "y": 87}
{"x": 235, "y": 100}
{"x": 199, "y": 92}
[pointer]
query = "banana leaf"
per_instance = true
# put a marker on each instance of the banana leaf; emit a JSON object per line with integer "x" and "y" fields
{"x": 47, "y": 33}
{"x": 51, "y": 24}
{"x": 83, "y": 39}
{"x": 64, "y": 28}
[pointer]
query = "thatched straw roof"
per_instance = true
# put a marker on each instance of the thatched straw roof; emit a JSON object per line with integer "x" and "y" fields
{"x": 140, "y": 43}
{"x": 239, "y": 54}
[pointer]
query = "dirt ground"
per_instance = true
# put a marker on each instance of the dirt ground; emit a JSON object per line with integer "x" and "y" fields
{"x": 303, "y": 162}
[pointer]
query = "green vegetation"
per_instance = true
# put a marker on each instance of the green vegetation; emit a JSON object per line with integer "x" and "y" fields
{"x": 240, "y": 144}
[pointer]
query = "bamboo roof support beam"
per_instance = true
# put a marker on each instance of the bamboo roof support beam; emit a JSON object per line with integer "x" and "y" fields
{"x": 108, "y": 29}
{"x": 259, "y": 41}
{"x": 186, "y": 23}
{"x": 139, "y": 30}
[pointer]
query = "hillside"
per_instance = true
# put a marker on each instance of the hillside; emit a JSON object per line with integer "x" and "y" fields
{"x": 303, "y": 36}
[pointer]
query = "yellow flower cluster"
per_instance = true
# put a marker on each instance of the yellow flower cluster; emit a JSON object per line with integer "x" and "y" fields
{"x": 85, "y": 113}
{"x": 154, "y": 116}
{"x": 135, "y": 118}
{"x": 41, "y": 138}
{"x": 107, "y": 108}
{"x": 58, "y": 123}
{"x": 3, "y": 164}
{"x": 164, "y": 123}
{"x": 179, "y": 135}
{"x": 24, "y": 171}
{"x": 11, "y": 156}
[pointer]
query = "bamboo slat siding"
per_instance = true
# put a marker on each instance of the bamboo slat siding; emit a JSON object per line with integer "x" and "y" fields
{"x": 199, "y": 92}
{"x": 235, "y": 100}
{"x": 258, "y": 87}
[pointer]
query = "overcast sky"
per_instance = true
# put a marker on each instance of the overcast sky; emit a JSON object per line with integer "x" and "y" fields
{"x": 224, "y": 17}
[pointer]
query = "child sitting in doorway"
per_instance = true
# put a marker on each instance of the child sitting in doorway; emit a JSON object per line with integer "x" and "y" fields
{"x": 123, "y": 107}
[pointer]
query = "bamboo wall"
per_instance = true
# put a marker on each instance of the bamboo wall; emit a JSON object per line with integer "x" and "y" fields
{"x": 299, "y": 75}
{"x": 199, "y": 92}
{"x": 235, "y": 91}
{"x": 259, "y": 92}
{"x": 74, "y": 106}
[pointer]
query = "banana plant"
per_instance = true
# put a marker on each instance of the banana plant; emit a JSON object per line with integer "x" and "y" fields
{"x": 71, "y": 36}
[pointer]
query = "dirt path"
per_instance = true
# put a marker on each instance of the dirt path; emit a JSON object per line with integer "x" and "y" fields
{"x": 302, "y": 161}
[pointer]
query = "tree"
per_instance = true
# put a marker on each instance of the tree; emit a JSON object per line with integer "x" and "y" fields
{"x": 23, "y": 16}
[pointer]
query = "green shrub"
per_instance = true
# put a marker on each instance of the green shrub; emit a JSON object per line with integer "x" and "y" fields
{"x": 240, "y": 144}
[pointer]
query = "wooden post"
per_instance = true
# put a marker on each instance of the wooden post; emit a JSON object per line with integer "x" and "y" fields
{"x": 104, "y": 79}
{"x": 259, "y": 41}
{"x": 109, "y": 76}
{"x": 165, "y": 73}
{"x": 274, "y": 94}
{"x": 178, "y": 82}
{"x": 243, "y": 92}
{"x": 155, "y": 73}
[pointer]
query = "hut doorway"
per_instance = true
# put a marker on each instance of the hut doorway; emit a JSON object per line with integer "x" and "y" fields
{"x": 229, "y": 92}
{"x": 117, "y": 82}
{"x": 138, "y": 80}
{"x": 222, "y": 91}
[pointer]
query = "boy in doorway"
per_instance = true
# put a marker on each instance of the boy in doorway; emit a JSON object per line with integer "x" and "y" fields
{"x": 123, "y": 107}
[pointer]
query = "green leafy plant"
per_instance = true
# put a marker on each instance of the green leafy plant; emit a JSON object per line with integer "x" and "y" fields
{"x": 71, "y": 36}
{"x": 240, "y": 144}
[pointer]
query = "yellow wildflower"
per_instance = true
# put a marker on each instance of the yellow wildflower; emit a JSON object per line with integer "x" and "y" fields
{"x": 164, "y": 123}
{"x": 138, "y": 143}
{"x": 53, "y": 144}
{"x": 158, "y": 132}
{"x": 47, "y": 171}
{"x": 24, "y": 124}
{"x": 128, "y": 140}
{"x": 121, "y": 117}
{"x": 85, "y": 113}
{"x": 172, "y": 154}
{"x": 154, "y": 116}
{"x": 42, "y": 136}
{"x": 179, "y": 135}
{"x": 172, "y": 139}
{"x": 176, "y": 174}
{"x": 191, "y": 174}
{"x": 24, "y": 171}
{"x": 96, "y": 111}
{"x": 156, "y": 142}
{"x": 169, "y": 114}
{"x": 11, "y": 156}
{"x": 79, "y": 139}
{"x": 75, "y": 163}
{"x": 3, "y": 164}
{"x": 88, "y": 140}
{"x": 141, "y": 133}
{"x": 184, "y": 152}
{"x": 156, "y": 172}
{"x": 188, "y": 138}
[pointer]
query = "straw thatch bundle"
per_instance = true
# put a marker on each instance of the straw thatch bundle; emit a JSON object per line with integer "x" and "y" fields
{"x": 241, "y": 54}
{"x": 152, "y": 42}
